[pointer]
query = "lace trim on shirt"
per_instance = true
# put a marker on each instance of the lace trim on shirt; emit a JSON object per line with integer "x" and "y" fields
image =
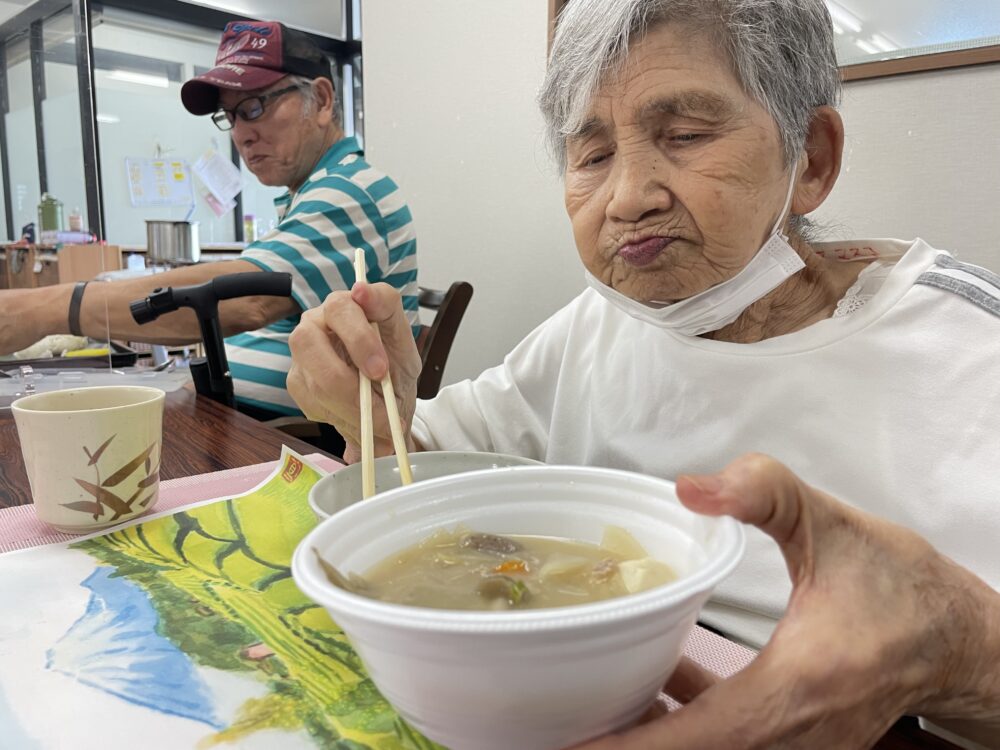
{"x": 869, "y": 281}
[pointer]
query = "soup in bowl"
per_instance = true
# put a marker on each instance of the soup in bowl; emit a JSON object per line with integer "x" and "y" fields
{"x": 527, "y": 678}
{"x": 465, "y": 569}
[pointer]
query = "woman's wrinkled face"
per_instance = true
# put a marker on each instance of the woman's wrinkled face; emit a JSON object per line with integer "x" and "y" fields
{"x": 677, "y": 177}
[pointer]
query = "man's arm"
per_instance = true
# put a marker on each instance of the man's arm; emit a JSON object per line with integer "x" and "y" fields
{"x": 27, "y": 315}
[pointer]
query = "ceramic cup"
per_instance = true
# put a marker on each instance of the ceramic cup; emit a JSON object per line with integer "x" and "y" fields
{"x": 92, "y": 454}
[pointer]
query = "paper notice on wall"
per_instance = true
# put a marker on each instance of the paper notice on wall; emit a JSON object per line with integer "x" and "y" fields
{"x": 218, "y": 207}
{"x": 159, "y": 182}
{"x": 221, "y": 177}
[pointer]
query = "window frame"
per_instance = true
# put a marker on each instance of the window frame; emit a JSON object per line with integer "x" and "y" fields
{"x": 945, "y": 60}
{"x": 921, "y": 63}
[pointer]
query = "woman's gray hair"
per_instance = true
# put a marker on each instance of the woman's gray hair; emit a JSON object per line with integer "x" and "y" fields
{"x": 781, "y": 51}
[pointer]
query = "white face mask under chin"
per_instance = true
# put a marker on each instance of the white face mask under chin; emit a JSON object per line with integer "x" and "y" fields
{"x": 723, "y": 303}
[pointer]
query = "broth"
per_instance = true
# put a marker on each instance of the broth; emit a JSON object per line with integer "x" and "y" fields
{"x": 466, "y": 570}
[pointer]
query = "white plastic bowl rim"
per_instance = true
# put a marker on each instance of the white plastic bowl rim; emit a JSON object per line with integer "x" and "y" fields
{"x": 329, "y": 485}
{"x": 311, "y": 580}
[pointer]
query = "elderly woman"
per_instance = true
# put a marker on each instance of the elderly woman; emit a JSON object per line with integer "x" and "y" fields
{"x": 694, "y": 136}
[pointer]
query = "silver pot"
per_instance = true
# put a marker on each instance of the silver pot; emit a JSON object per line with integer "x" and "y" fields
{"x": 172, "y": 241}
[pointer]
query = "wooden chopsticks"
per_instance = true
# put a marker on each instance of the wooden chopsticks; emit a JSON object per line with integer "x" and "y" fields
{"x": 392, "y": 411}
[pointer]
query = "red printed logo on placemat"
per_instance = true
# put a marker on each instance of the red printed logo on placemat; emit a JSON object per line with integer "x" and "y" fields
{"x": 293, "y": 467}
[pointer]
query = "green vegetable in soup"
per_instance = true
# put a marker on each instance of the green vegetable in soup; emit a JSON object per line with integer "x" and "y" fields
{"x": 467, "y": 570}
{"x": 503, "y": 590}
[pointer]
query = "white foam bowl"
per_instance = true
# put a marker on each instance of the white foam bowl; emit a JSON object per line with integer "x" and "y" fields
{"x": 535, "y": 679}
{"x": 342, "y": 488}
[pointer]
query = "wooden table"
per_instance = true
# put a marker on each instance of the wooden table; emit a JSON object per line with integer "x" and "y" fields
{"x": 199, "y": 436}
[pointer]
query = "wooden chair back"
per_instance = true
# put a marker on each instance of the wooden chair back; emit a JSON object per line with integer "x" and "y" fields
{"x": 434, "y": 341}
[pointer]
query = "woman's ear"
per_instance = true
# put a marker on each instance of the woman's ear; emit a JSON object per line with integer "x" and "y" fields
{"x": 824, "y": 149}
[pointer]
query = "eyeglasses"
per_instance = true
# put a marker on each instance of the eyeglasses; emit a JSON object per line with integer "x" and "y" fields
{"x": 248, "y": 109}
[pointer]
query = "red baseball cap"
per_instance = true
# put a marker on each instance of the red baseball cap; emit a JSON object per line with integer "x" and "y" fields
{"x": 253, "y": 55}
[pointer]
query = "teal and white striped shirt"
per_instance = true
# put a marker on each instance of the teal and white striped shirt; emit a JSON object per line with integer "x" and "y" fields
{"x": 344, "y": 204}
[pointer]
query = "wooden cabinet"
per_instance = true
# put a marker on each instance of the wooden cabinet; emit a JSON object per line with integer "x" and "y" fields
{"x": 34, "y": 266}
{"x": 84, "y": 262}
{"x": 30, "y": 267}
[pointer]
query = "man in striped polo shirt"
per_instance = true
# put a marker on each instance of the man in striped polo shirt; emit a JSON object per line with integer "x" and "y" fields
{"x": 314, "y": 242}
{"x": 272, "y": 88}
{"x": 336, "y": 201}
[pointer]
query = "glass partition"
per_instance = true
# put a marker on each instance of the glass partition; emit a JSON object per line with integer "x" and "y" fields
{"x": 323, "y": 17}
{"x": 354, "y": 101}
{"x": 61, "y": 117}
{"x": 139, "y": 63}
{"x": 140, "y": 66}
{"x": 5, "y": 233}
{"x": 141, "y": 56}
{"x": 21, "y": 145}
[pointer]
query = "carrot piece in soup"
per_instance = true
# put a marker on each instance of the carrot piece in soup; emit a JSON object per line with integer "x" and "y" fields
{"x": 512, "y": 566}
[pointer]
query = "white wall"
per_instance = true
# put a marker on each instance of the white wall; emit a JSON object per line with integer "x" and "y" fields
{"x": 449, "y": 91}
{"x": 923, "y": 159}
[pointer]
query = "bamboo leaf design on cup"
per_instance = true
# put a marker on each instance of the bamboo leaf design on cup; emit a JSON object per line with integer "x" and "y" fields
{"x": 105, "y": 498}
{"x": 87, "y": 506}
{"x": 124, "y": 472}
{"x": 96, "y": 455}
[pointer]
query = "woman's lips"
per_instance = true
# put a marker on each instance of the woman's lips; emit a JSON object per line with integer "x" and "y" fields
{"x": 645, "y": 252}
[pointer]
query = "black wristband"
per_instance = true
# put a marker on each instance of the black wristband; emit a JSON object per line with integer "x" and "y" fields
{"x": 74, "y": 308}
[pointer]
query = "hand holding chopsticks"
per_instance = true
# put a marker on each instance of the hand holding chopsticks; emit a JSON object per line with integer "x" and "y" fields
{"x": 367, "y": 428}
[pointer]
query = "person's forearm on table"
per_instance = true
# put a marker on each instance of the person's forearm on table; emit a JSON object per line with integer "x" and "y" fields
{"x": 105, "y": 310}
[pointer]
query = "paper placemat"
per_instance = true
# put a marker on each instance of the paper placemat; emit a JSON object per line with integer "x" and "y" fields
{"x": 21, "y": 529}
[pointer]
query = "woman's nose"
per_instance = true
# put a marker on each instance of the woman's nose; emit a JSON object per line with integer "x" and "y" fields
{"x": 639, "y": 188}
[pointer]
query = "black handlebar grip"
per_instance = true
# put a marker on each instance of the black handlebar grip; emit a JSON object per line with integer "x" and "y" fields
{"x": 251, "y": 284}
{"x": 160, "y": 300}
{"x": 142, "y": 312}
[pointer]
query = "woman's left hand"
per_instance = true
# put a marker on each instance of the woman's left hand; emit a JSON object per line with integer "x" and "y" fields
{"x": 878, "y": 624}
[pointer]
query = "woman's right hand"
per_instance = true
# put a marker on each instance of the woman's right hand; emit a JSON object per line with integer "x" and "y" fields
{"x": 334, "y": 341}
